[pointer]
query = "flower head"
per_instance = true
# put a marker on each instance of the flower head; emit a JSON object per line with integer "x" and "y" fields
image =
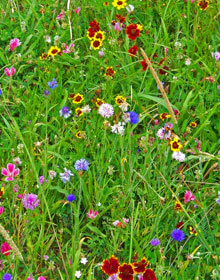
{"x": 188, "y": 196}
{"x": 110, "y": 266}
{"x": 77, "y": 98}
{"x": 30, "y": 201}
{"x": 78, "y": 10}
{"x": 140, "y": 267}
{"x": 218, "y": 199}
{"x": 203, "y": 4}
{"x": 92, "y": 214}
{"x": 175, "y": 145}
{"x": 66, "y": 175}
{"x": 149, "y": 275}
{"x": 126, "y": 272}
{"x": 155, "y": 242}
{"x": 5, "y": 249}
{"x": 10, "y": 172}
{"x": 10, "y": 72}
{"x": 14, "y": 43}
{"x": 96, "y": 44}
{"x": 65, "y": 112}
{"x": 132, "y": 31}
{"x": 133, "y": 50}
{"x": 53, "y": 84}
{"x": 119, "y": 4}
{"x": 216, "y": 55}
{"x": 133, "y": 117}
{"x": 71, "y": 197}
{"x": 179, "y": 156}
{"x": 81, "y": 165}
{"x": 78, "y": 274}
{"x": 53, "y": 51}
{"x": 7, "y": 276}
{"x": 106, "y": 110}
{"x": 84, "y": 261}
{"x": 109, "y": 72}
{"x": 178, "y": 235}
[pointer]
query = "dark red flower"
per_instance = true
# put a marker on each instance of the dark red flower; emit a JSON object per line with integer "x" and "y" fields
{"x": 94, "y": 25}
{"x": 149, "y": 275}
{"x": 144, "y": 65}
{"x": 132, "y": 31}
{"x": 203, "y": 4}
{"x": 120, "y": 18}
{"x": 133, "y": 50}
{"x": 179, "y": 225}
{"x": 126, "y": 272}
{"x": 110, "y": 266}
{"x": 139, "y": 267}
{"x": 91, "y": 32}
{"x": 162, "y": 70}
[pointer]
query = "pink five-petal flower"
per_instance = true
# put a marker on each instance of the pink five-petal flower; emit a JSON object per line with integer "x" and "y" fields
{"x": 41, "y": 278}
{"x": 9, "y": 72}
{"x": 61, "y": 15}
{"x": 5, "y": 249}
{"x": 126, "y": 221}
{"x": 78, "y": 10}
{"x": 1, "y": 210}
{"x": 188, "y": 196}
{"x": 92, "y": 214}
{"x": 10, "y": 172}
{"x": 14, "y": 43}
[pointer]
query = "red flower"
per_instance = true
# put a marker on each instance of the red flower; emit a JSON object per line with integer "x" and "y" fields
{"x": 139, "y": 267}
{"x": 5, "y": 249}
{"x": 126, "y": 272}
{"x": 110, "y": 267}
{"x": 149, "y": 275}
{"x": 179, "y": 225}
{"x": 144, "y": 65}
{"x": 94, "y": 25}
{"x": 133, "y": 50}
{"x": 91, "y": 32}
{"x": 163, "y": 69}
{"x": 120, "y": 18}
{"x": 132, "y": 31}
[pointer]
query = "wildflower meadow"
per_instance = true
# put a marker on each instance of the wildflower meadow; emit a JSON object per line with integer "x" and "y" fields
{"x": 109, "y": 139}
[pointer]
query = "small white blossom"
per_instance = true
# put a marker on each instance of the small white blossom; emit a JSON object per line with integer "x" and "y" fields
{"x": 78, "y": 274}
{"x": 179, "y": 156}
{"x": 118, "y": 128}
{"x": 188, "y": 61}
{"x": 84, "y": 261}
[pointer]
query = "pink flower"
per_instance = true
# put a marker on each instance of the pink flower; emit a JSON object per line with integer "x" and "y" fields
{"x": 101, "y": 53}
{"x": 118, "y": 26}
{"x": 78, "y": 10}
{"x": 216, "y": 55}
{"x": 5, "y": 249}
{"x": 106, "y": 110}
{"x": 188, "y": 196}
{"x": 69, "y": 48}
{"x": 92, "y": 214}
{"x": 9, "y": 72}
{"x": 30, "y": 201}
{"x": 10, "y": 172}
{"x": 198, "y": 146}
{"x": 61, "y": 15}
{"x": 156, "y": 122}
{"x": 130, "y": 8}
{"x": 1, "y": 210}
{"x": 41, "y": 278}
{"x": 166, "y": 50}
{"x": 126, "y": 221}
{"x": 115, "y": 223}
{"x": 14, "y": 43}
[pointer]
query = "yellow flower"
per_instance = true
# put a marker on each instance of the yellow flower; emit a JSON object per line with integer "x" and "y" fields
{"x": 43, "y": 56}
{"x": 119, "y": 4}
{"x": 99, "y": 35}
{"x": 140, "y": 27}
{"x": 80, "y": 134}
{"x": 193, "y": 124}
{"x": 53, "y": 51}
{"x": 79, "y": 112}
{"x": 99, "y": 102}
{"x": 2, "y": 191}
{"x": 109, "y": 72}
{"x": 78, "y": 98}
{"x": 96, "y": 44}
{"x": 106, "y": 4}
{"x": 120, "y": 99}
{"x": 123, "y": 160}
{"x": 175, "y": 145}
{"x": 203, "y": 4}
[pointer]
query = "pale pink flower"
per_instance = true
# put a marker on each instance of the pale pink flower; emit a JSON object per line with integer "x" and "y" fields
{"x": 78, "y": 10}
{"x": 1, "y": 210}
{"x": 198, "y": 146}
{"x": 118, "y": 26}
{"x": 216, "y": 55}
{"x": 101, "y": 53}
{"x": 179, "y": 156}
{"x": 68, "y": 49}
{"x": 10, "y": 72}
{"x": 10, "y": 172}
{"x": 92, "y": 214}
{"x": 126, "y": 221}
{"x": 61, "y": 15}
{"x": 188, "y": 196}
{"x": 14, "y": 43}
{"x": 115, "y": 223}
{"x": 130, "y": 8}
{"x": 106, "y": 110}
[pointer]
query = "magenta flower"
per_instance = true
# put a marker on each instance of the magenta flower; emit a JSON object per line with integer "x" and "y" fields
{"x": 10, "y": 72}
{"x": 61, "y": 15}
{"x": 68, "y": 49}
{"x": 5, "y": 249}
{"x": 92, "y": 214}
{"x": 14, "y": 43}
{"x": 118, "y": 26}
{"x": 10, "y": 172}
{"x": 30, "y": 201}
{"x": 78, "y": 10}
{"x": 188, "y": 196}
{"x": 198, "y": 146}
{"x": 1, "y": 210}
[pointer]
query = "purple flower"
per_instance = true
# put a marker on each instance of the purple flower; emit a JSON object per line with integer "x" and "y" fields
{"x": 155, "y": 242}
{"x": 41, "y": 179}
{"x": 65, "y": 177}
{"x": 65, "y": 112}
{"x": 30, "y": 201}
{"x": 46, "y": 92}
{"x": 71, "y": 197}
{"x": 7, "y": 276}
{"x": 178, "y": 235}
{"x": 53, "y": 84}
{"x": 133, "y": 117}
{"x": 81, "y": 165}
{"x": 218, "y": 199}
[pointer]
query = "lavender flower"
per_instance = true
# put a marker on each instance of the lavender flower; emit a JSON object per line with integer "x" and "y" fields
{"x": 155, "y": 242}
{"x": 30, "y": 201}
{"x": 7, "y": 276}
{"x": 106, "y": 110}
{"x": 46, "y": 92}
{"x": 178, "y": 235}
{"x": 65, "y": 177}
{"x": 81, "y": 165}
{"x": 53, "y": 84}
{"x": 179, "y": 156}
{"x": 218, "y": 199}
{"x": 65, "y": 112}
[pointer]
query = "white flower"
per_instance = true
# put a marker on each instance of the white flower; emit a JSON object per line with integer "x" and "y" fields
{"x": 179, "y": 156}
{"x": 78, "y": 274}
{"x": 52, "y": 174}
{"x": 160, "y": 133}
{"x": 177, "y": 45}
{"x": 130, "y": 8}
{"x": 118, "y": 128}
{"x": 126, "y": 117}
{"x": 99, "y": 204}
{"x": 106, "y": 110}
{"x": 188, "y": 61}
{"x": 66, "y": 175}
{"x": 124, "y": 106}
{"x": 17, "y": 160}
{"x": 86, "y": 109}
{"x": 84, "y": 261}
{"x": 47, "y": 39}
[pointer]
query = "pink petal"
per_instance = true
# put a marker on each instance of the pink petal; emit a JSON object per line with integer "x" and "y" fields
{"x": 5, "y": 172}
{"x": 9, "y": 179}
{"x": 6, "y": 70}
{"x": 16, "y": 172}
{"x": 90, "y": 212}
{"x": 96, "y": 213}
{"x": 11, "y": 167}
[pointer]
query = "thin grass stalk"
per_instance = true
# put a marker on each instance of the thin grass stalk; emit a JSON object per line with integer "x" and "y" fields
{"x": 169, "y": 107}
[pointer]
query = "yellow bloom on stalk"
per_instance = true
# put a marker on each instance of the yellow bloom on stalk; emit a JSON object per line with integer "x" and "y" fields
{"x": 80, "y": 134}
{"x": 78, "y": 98}
{"x": 96, "y": 44}
{"x": 193, "y": 124}
{"x": 53, "y": 51}
{"x": 203, "y": 4}
{"x": 79, "y": 112}
{"x": 106, "y": 4}
{"x": 120, "y": 99}
{"x": 140, "y": 27}
{"x": 123, "y": 160}
{"x": 99, "y": 102}
{"x": 175, "y": 145}
{"x": 119, "y": 4}
{"x": 2, "y": 191}
{"x": 99, "y": 35}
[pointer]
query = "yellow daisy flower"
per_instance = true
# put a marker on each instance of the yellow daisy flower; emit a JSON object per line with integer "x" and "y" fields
{"x": 119, "y": 4}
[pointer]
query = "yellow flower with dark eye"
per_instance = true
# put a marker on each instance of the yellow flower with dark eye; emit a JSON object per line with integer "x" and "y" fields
{"x": 106, "y": 4}
{"x": 80, "y": 134}
{"x": 164, "y": 116}
{"x": 177, "y": 207}
{"x": 175, "y": 145}
{"x": 78, "y": 98}
{"x": 53, "y": 51}
{"x": 203, "y": 4}
{"x": 79, "y": 112}
{"x": 99, "y": 102}
{"x": 109, "y": 72}
{"x": 119, "y": 4}
{"x": 43, "y": 56}
{"x": 96, "y": 44}
{"x": 2, "y": 191}
{"x": 99, "y": 35}
{"x": 120, "y": 99}
{"x": 193, "y": 124}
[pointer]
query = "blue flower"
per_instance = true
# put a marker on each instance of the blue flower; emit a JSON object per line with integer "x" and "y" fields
{"x": 71, "y": 197}
{"x": 46, "y": 92}
{"x": 65, "y": 112}
{"x": 178, "y": 235}
{"x": 218, "y": 199}
{"x": 53, "y": 84}
{"x": 81, "y": 165}
{"x": 155, "y": 242}
{"x": 133, "y": 117}
{"x": 0, "y": 92}
{"x": 7, "y": 276}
